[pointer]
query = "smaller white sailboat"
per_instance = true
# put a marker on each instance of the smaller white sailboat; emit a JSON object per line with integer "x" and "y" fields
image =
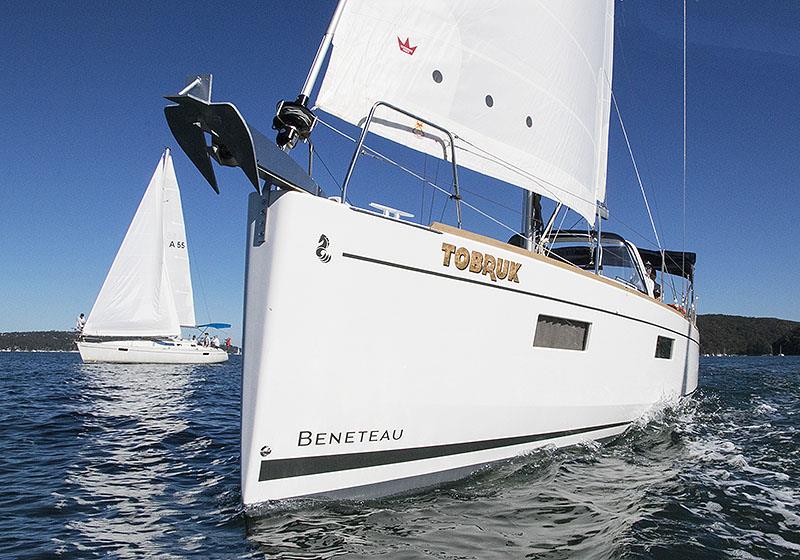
{"x": 147, "y": 295}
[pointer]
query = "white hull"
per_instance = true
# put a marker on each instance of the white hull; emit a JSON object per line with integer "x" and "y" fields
{"x": 381, "y": 369}
{"x": 150, "y": 352}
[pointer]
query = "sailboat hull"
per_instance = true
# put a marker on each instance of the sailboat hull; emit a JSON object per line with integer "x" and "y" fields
{"x": 373, "y": 366}
{"x": 150, "y": 352}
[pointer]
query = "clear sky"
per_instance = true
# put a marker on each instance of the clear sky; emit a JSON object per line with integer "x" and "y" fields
{"x": 81, "y": 91}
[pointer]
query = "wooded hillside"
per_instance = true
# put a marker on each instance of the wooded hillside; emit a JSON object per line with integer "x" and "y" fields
{"x": 38, "y": 340}
{"x": 753, "y": 336}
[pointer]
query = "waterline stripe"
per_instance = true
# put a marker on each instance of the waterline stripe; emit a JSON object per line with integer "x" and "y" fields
{"x": 302, "y": 466}
{"x": 515, "y": 290}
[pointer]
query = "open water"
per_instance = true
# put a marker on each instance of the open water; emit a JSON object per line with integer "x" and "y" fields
{"x": 142, "y": 461}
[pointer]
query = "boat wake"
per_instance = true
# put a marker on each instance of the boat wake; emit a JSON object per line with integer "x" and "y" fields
{"x": 684, "y": 477}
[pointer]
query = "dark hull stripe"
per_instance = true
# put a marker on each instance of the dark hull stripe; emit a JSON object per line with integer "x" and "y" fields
{"x": 301, "y": 466}
{"x": 510, "y": 289}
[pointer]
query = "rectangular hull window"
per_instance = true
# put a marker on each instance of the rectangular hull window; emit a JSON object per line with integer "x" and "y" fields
{"x": 664, "y": 347}
{"x": 555, "y": 332}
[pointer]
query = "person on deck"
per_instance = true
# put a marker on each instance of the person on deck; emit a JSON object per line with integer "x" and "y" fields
{"x": 80, "y": 323}
{"x": 215, "y": 341}
{"x": 650, "y": 280}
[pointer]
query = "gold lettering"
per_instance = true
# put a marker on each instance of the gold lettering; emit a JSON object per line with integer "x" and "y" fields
{"x": 502, "y": 268}
{"x": 488, "y": 266}
{"x": 476, "y": 262}
{"x": 462, "y": 258}
{"x": 481, "y": 263}
{"x": 448, "y": 252}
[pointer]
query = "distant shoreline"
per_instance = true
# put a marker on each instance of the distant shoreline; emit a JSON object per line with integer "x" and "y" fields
{"x": 719, "y": 335}
{"x": 45, "y": 341}
{"x": 7, "y": 351}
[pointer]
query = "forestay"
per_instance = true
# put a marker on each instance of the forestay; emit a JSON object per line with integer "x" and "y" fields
{"x": 523, "y": 84}
{"x": 136, "y": 298}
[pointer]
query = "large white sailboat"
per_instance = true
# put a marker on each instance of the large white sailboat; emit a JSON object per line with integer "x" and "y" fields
{"x": 147, "y": 295}
{"x": 443, "y": 349}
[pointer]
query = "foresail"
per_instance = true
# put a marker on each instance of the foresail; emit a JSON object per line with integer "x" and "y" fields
{"x": 523, "y": 84}
{"x": 136, "y": 297}
{"x": 176, "y": 252}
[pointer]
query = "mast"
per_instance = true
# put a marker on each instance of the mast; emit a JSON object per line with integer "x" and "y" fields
{"x": 294, "y": 120}
{"x": 532, "y": 223}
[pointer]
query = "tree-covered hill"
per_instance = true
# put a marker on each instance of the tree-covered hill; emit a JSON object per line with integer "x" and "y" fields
{"x": 37, "y": 340}
{"x": 754, "y": 336}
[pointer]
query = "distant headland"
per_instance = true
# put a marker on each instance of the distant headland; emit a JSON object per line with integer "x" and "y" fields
{"x": 44, "y": 341}
{"x": 748, "y": 336}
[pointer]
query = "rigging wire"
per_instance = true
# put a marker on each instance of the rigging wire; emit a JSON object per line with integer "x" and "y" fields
{"x": 636, "y": 169}
{"x": 489, "y": 200}
{"x": 446, "y": 200}
{"x": 518, "y": 170}
{"x": 636, "y": 93}
{"x": 424, "y": 174}
{"x": 199, "y": 276}
{"x": 656, "y": 211}
{"x": 438, "y": 188}
{"x": 421, "y": 178}
{"x": 322, "y": 161}
{"x": 683, "y": 247}
{"x": 544, "y": 184}
{"x": 433, "y": 191}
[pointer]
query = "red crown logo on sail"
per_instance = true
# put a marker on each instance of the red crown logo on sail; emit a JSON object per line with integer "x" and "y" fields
{"x": 406, "y": 46}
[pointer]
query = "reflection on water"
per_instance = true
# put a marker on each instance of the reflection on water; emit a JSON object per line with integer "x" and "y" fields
{"x": 121, "y": 459}
{"x": 126, "y": 471}
{"x": 133, "y": 461}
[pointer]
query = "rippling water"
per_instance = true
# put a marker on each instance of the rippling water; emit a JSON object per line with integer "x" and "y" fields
{"x": 135, "y": 461}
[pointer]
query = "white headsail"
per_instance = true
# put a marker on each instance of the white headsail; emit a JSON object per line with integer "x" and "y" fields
{"x": 137, "y": 296}
{"x": 523, "y": 84}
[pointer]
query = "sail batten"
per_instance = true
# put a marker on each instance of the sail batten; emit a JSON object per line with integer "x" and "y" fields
{"x": 148, "y": 290}
{"x": 522, "y": 84}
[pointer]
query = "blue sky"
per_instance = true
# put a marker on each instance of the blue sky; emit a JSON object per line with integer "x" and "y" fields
{"x": 82, "y": 88}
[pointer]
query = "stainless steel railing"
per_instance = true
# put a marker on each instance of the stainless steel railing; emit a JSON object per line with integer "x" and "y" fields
{"x": 360, "y": 144}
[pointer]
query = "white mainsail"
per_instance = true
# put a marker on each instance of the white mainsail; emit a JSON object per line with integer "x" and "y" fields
{"x": 148, "y": 291}
{"x": 176, "y": 252}
{"x": 525, "y": 85}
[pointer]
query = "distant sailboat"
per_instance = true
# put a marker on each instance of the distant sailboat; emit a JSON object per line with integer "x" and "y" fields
{"x": 147, "y": 295}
